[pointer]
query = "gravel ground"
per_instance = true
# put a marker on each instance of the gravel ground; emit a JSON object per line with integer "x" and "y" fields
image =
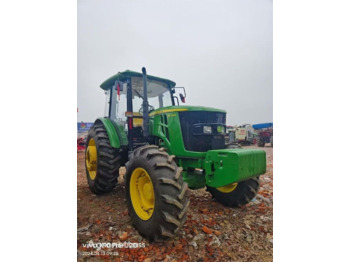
{"x": 212, "y": 232}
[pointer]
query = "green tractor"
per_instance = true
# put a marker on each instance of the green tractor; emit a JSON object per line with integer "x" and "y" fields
{"x": 166, "y": 149}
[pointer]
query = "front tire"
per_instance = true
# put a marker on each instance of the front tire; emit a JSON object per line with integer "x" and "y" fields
{"x": 155, "y": 193}
{"x": 102, "y": 161}
{"x": 236, "y": 194}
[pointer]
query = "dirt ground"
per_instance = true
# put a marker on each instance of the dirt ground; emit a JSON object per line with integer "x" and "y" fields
{"x": 212, "y": 232}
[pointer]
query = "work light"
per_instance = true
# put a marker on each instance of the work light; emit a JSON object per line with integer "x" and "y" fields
{"x": 207, "y": 129}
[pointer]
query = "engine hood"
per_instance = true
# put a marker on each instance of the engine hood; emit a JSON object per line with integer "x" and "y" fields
{"x": 169, "y": 109}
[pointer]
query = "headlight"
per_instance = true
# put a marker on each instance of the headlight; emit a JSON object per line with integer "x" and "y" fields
{"x": 220, "y": 129}
{"x": 207, "y": 129}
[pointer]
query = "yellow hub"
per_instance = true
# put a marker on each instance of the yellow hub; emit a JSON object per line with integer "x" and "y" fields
{"x": 142, "y": 193}
{"x": 91, "y": 159}
{"x": 227, "y": 189}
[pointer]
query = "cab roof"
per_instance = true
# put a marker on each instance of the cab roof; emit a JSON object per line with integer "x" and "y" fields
{"x": 123, "y": 76}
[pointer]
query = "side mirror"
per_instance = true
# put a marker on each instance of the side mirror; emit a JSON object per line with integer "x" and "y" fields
{"x": 182, "y": 98}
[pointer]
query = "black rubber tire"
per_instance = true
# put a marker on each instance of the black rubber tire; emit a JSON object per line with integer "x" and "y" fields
{"x": 171, "y": 202}
{"x": 108, "y": 161}
{"x": 240, "y": 196}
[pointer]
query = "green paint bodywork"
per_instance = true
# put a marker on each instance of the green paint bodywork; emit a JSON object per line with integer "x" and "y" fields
{"x": 175, "y": 144}
{"x": 226, "y": 166}
{"x": 185, "y": 108}
{"x": 214, "y": 168}
{"x": 116, "y": 134}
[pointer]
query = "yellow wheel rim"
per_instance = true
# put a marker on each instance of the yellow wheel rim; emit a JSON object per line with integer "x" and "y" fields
{"x": 91, "y": 159}
{"x": 142, "y": 193}
{"x": 227, "y": 189}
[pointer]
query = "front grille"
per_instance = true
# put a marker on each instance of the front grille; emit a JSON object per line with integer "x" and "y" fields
{"x": 200, "y": 142}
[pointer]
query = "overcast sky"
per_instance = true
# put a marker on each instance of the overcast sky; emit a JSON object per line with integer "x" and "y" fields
{"x": 220, "y": 51}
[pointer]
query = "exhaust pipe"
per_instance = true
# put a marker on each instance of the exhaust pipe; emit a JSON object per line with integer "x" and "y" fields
{"x": 145, "y": 105}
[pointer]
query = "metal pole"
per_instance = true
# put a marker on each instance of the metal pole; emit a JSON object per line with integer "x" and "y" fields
{"x": 145, "y": 104}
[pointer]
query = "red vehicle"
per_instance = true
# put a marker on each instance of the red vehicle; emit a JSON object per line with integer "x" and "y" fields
{"x": 81, "y": 143}
{"x": 266, "y": 136}
{"x": 265, "y": 133}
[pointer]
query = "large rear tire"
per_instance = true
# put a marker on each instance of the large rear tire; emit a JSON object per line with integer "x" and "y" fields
{"x": 101, "y": 161}
{"x": 155, "y": 193}
{"x": 236, "y": 194}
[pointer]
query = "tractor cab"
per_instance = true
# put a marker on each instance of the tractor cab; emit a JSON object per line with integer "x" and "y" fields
{"x": 129, "y": 104}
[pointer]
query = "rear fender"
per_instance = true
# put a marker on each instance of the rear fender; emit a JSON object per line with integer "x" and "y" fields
{"x": 116, "y": 134}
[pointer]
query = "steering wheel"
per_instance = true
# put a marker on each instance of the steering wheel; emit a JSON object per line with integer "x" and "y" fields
{"x": 150, "y": 108}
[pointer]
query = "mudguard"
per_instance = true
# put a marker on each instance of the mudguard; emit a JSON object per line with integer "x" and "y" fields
{"x": 116, "y": 134}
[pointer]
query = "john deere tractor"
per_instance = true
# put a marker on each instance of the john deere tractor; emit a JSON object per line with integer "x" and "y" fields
{"x": 166, "y": 149}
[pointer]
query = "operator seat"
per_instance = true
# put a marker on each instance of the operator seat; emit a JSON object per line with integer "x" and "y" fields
{"x": 137, "y": 121}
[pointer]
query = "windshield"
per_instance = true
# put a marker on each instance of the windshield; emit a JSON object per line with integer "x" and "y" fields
{"x": 157, "y": 92}
{"x": 158, "y": 96}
